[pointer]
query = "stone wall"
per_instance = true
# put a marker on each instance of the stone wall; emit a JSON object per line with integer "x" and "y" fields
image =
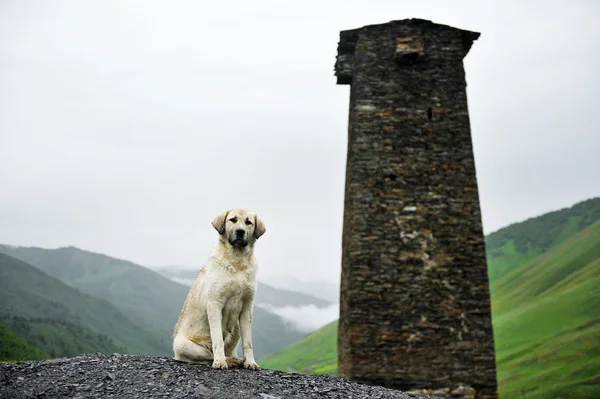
{"x": 415, "y": 303}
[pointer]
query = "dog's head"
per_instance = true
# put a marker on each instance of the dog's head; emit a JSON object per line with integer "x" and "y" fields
{"x": 239, "y": 227}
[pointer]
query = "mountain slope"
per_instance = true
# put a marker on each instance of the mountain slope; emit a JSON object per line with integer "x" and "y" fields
{"x": 59, "y": 313}
{"x": 14, "y": 347}
{"x": 522, "y": 242}
{"x": 60, "y": 338}
{"x": 314, "y": 354}
{"x": 142, "y": 295}
{"x": 266, "y": 294}
{"x": 547, "y": 322}
{"x": 136, "y": 291}
{"x": 317, "y": 288}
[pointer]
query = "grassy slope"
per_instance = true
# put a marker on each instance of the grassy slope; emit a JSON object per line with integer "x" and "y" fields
{"x": 47, "y": 300}
{"x": 519, "y": 243}
{"x": 15, "y": 348}
{"x": 145, "y": 297}
{"x": 545, "y": 312}
{"x": 315, "y": 354}
{"x": 61, "y": 338}
{"x": 547, "y": 322}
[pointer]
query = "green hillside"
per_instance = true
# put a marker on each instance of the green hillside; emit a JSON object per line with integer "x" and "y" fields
{"x": 546, "y": 313}
{"x": 15, "y": 348}
{"x": 522, "y": 242}
{"x": 139, "y": 293}
{"x": 59, "y": 314}
{"x": 314, "y": 354}
{"x": 546, "y": 318}
{"x": 60, "y": 338}
{"x": 145, "y": 298}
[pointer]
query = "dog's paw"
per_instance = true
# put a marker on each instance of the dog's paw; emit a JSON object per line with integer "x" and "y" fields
{"x": 250, "y": 365}
{"x": 234, "y": 362}
{"x": 220, "y": 364}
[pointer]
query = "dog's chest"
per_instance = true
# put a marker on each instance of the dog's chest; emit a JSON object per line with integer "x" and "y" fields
{"x": 238, "y": 287}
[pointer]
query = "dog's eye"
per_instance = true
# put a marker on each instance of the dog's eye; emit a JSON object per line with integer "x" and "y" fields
{"x": 233, "y": 220}
{"x": 249, "y": 223}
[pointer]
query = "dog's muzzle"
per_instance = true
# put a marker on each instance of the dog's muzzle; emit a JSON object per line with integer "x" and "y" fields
{"x": 239, "y": 239}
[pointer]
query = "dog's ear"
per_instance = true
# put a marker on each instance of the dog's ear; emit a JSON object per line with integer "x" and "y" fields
{"x": 259, "y": 228}
{"x": 219, "y": 222}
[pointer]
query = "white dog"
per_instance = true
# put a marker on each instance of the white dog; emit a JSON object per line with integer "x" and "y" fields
{"x": 219, "y": 304}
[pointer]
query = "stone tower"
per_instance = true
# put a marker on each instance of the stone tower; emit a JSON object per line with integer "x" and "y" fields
{"x": 415, "y": 302}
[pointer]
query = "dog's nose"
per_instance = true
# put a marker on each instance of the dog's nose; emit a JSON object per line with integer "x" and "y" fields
{"x": 240, "y": 232}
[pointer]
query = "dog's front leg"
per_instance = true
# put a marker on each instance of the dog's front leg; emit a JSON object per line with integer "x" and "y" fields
{"x": 214, "y": 310}
{"x": 246, "y": 327}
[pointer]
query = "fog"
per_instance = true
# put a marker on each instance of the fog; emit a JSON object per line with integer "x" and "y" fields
{"x": 126, "y": 126}
{"x": 306, "y": 318}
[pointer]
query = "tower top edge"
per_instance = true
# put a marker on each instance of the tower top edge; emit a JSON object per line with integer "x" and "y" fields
{"x": 411, "y": 22}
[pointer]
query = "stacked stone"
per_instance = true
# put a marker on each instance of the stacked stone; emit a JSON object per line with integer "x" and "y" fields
{"x": 415, "y": 303}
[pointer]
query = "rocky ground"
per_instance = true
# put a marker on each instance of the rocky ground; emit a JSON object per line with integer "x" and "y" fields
{"x": 125, "y": 376}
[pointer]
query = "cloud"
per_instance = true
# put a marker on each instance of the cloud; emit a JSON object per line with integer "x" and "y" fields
{"x": 184, "y": 281}
{"x": 306, "y": 318}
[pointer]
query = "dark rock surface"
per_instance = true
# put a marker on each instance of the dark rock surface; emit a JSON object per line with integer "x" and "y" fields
{"x": 126, "y": 376}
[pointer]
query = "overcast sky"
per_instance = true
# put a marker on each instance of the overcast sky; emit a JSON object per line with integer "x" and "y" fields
{"x": 126, "y": 126}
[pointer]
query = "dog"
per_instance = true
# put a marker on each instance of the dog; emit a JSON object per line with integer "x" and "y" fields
{"x": 218, "y": 307}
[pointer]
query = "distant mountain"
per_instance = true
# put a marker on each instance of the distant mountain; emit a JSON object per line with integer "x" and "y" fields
{"x": 60, "y": 320}
{"x": 146, "y": 298}
{"x": 13, "y": 347}
{"x": 545, "y": 309}
{"x": 265, "y": 294}
{"x": 320, "y": 289}
{"x": 139, "y": 293}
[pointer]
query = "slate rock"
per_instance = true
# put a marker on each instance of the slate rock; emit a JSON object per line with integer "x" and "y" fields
{"x": 151, "y": 377}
